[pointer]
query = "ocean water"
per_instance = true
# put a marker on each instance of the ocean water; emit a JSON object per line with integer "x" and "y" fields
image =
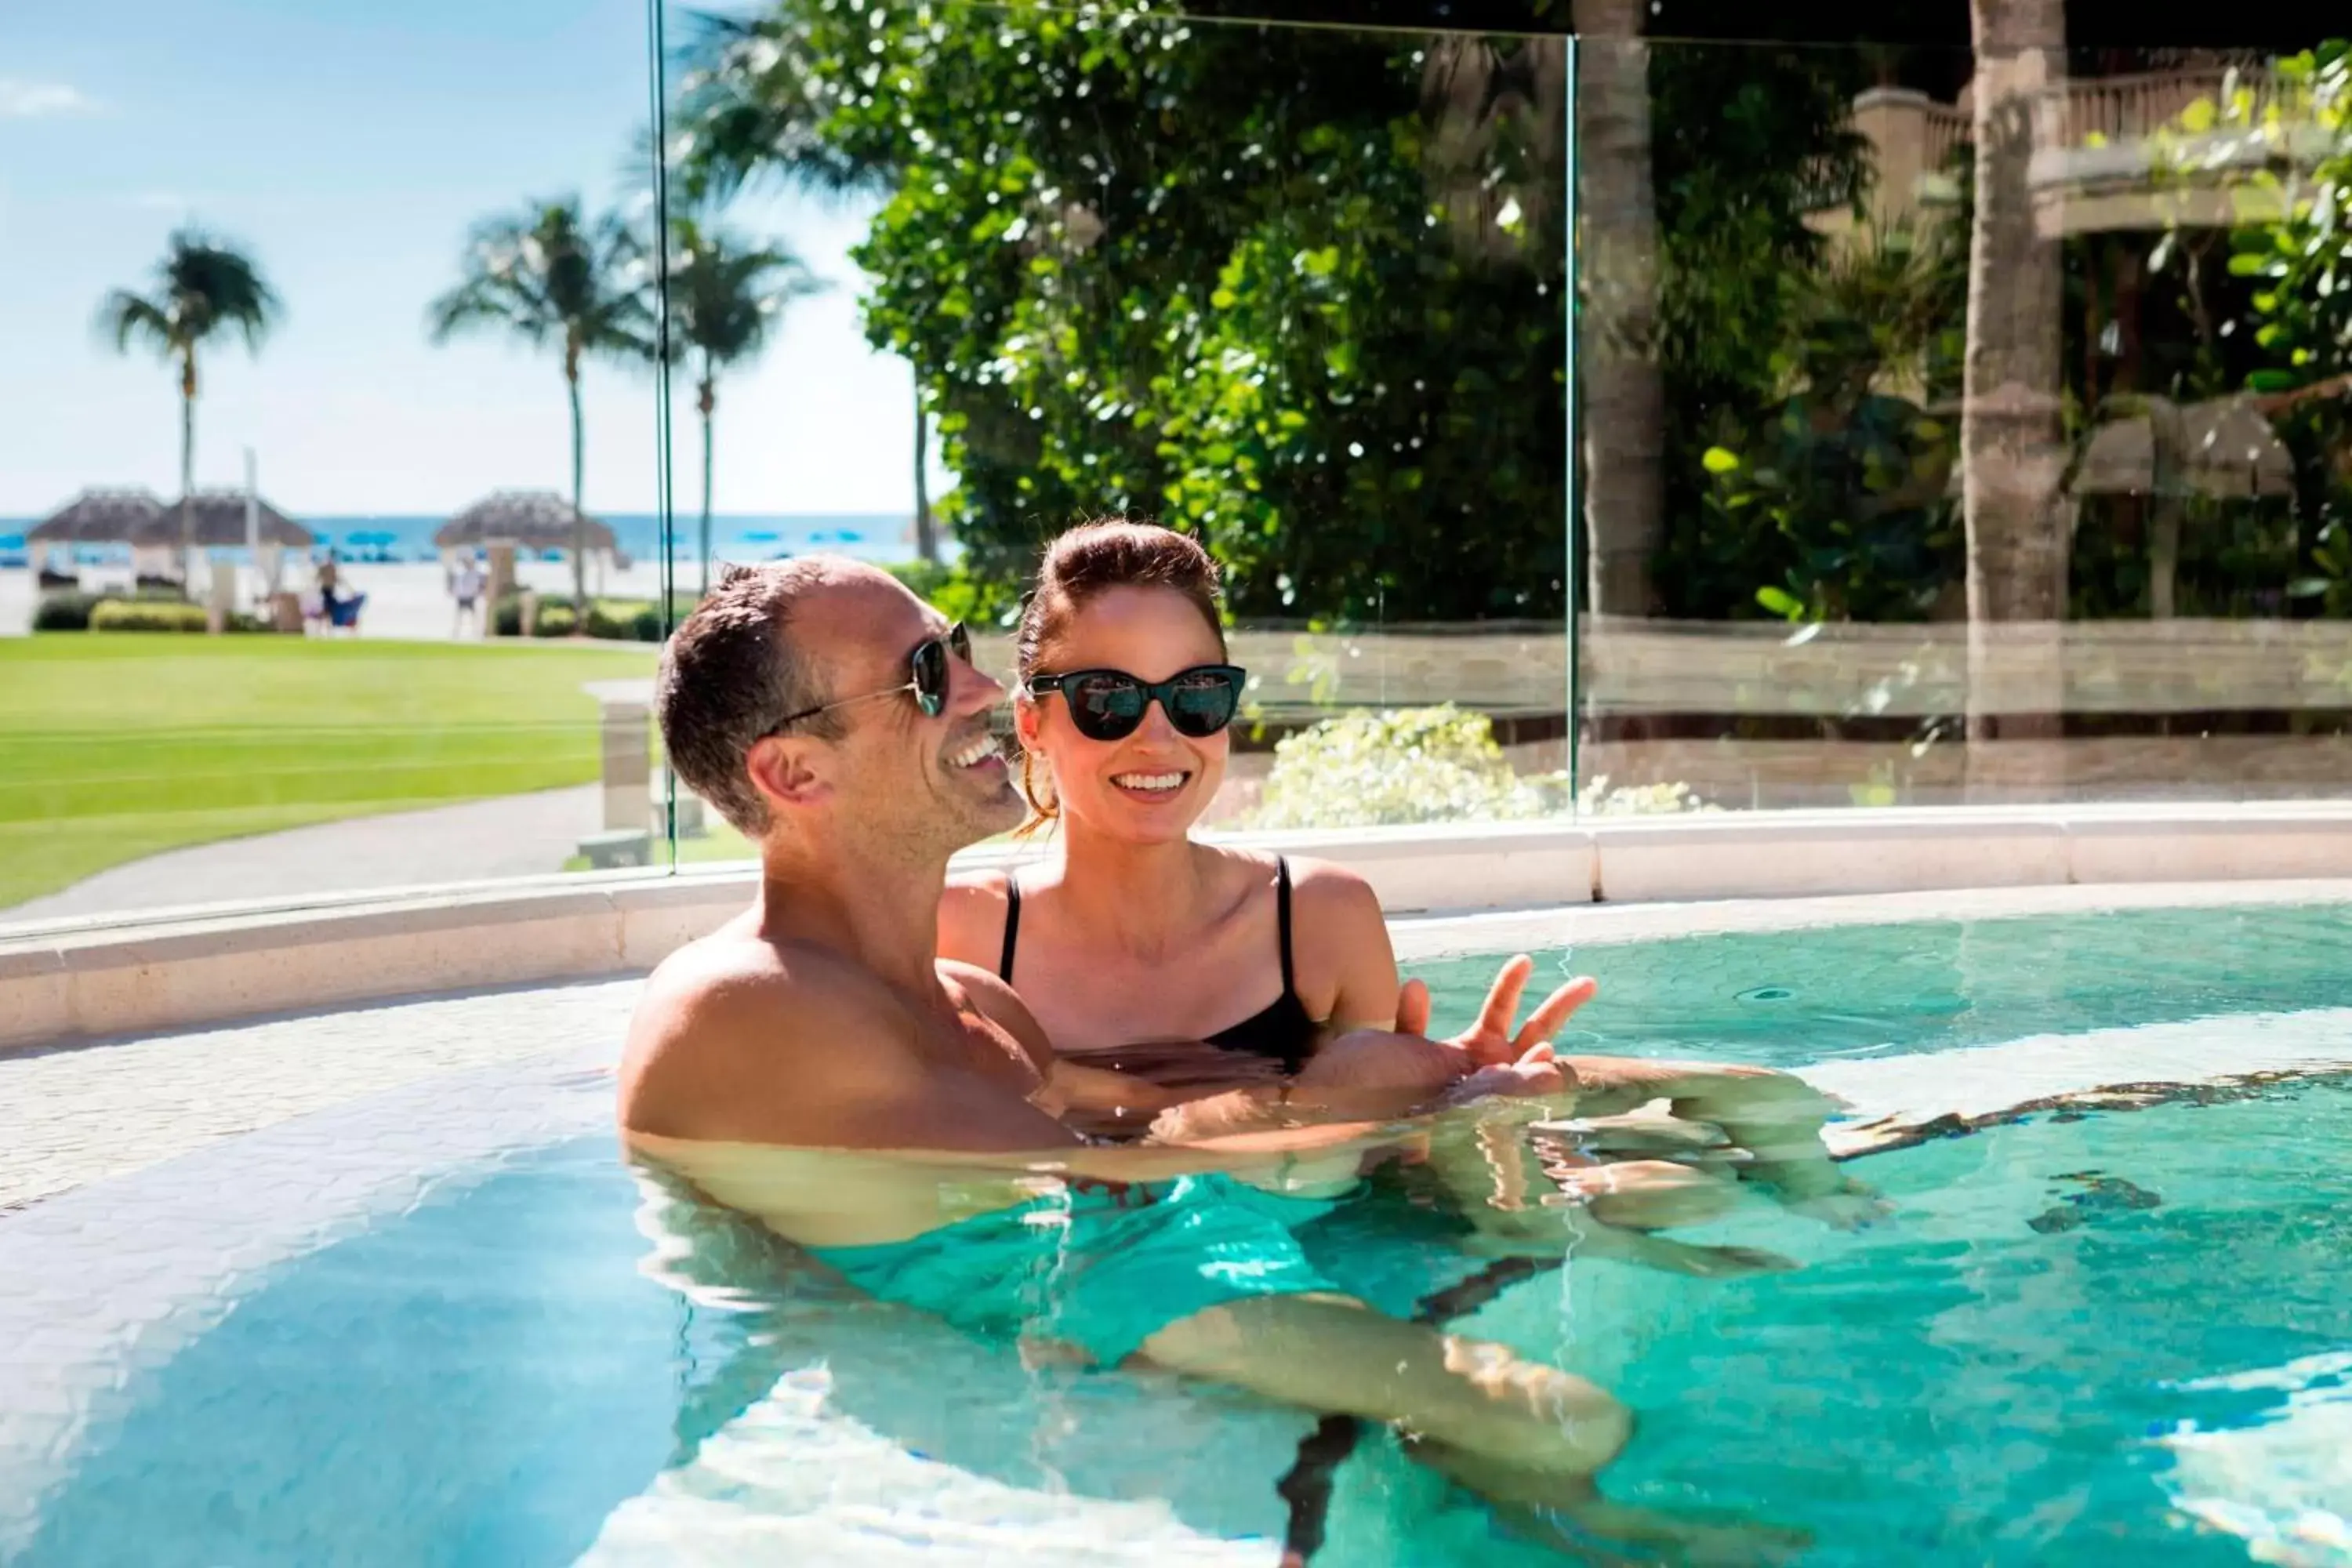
{"x": 2082, "y": 1336}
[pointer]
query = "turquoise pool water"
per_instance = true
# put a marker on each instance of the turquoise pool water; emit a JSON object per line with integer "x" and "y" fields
{"x": 2081, "y": 1339}
{"x": 1787, "y": 998}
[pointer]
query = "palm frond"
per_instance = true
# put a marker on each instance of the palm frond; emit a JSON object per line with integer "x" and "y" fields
{"x": 726, "y": 292}
{"x": 751, "y": 103}
{"x": 204, "y": 285}
{"x": 125, "y": 316}
{"x": 551, "y": 273}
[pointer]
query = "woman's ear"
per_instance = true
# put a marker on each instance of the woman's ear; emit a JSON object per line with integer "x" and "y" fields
{"x": 1025, "y": 720}
{"x": 784, "y": 769}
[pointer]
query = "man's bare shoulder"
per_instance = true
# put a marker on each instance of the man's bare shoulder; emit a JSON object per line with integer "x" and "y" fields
{"x": 1002, "y": 1005}
{"x": 733, "y": 1032}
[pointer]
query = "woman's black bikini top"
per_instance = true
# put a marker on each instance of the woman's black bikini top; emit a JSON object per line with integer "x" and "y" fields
{"x": 1284, "y": 1032}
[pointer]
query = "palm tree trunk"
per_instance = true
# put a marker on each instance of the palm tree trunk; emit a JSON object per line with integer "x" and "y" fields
{"x": 2012, "y": 447}
{"x": 708, "y": 403}
{"x": 927, "y": 537}
{"x": 187, "y": 472}
{"x": 579, "y": 511}
{"x": 1621, "y": 399}
{"x": 2163, "y": 558}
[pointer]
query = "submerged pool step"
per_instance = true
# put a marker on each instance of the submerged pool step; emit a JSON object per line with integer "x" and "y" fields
{"x": 1975, "y": 1083}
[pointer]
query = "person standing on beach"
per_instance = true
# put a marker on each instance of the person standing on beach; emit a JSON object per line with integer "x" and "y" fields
{"x": 466, "y": 586}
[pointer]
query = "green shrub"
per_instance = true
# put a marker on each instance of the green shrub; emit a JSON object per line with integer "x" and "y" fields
{"x": 1382, "y": 767}
{"x": 623, "y": 620}
{"x": 959, "y": 595}
{"x": 66, "y": 612}
{"x": 601, "y": 622}
{"x": 629, "y": 620}
{"x": 555, "y": 619}
{"x": 1379, "y": 767}
{"x": 146, "y": 615}
{"x": 1597, "y": 799}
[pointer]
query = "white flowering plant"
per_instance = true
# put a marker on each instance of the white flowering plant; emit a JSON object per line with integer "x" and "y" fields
{"x": 1380, "y": 767}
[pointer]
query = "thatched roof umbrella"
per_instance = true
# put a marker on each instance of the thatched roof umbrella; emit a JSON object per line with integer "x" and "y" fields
{"x": 2222, "y": 447}
{"x": 99, "y": 517}
{"x": 217, "y": 521}
{"x": 532, "y": 520}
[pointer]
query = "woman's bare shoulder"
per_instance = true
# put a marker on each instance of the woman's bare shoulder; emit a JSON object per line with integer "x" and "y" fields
{"x": 1339, "y": 942}
{"x": 972, "y": 917}
{"x": 1325, "y": 890}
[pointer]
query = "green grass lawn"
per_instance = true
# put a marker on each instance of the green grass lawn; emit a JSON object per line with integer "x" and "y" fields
{"x": 113, "y": 746}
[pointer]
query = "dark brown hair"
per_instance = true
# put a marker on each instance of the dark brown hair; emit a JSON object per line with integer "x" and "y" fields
{"x": 729, "y": 674}
{"x": 1089, "y": 560}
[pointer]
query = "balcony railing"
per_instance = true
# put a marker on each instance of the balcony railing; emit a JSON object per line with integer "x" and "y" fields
{"x": 2121, "y": 109}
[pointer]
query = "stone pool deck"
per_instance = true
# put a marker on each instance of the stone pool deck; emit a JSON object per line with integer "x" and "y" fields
{"x": 72, "y": 1115}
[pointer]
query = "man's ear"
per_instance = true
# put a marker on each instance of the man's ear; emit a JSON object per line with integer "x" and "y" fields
{"x": 788, "y": 770}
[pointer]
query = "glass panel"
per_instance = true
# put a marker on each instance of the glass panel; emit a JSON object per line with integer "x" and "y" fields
{"x": 1300, "y": 293}
{"x": 334, "y": 321}
{"x": 1856, "y": 540}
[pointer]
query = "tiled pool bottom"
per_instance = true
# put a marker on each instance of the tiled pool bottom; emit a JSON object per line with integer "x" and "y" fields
{"x": 443, "y": 1325}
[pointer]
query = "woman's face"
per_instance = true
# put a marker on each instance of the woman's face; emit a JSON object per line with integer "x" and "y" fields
{"x": 1154, "y": 784}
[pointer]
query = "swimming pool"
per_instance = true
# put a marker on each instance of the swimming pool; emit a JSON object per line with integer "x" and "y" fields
{"x": 444, "y": 1325}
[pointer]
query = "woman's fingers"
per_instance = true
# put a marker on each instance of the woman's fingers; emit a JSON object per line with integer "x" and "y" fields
{"x": 1412, "y": 1008}
{"x": 1502, "y": 1006}
{"x": 1546, "y": 1020}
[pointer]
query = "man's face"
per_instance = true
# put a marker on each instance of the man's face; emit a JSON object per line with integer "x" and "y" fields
{"x": 938, "y": 782}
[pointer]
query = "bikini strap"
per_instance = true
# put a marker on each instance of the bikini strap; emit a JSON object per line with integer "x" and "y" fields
{"x": 1012, "y": 926}
{"x": 1282, "y": 914}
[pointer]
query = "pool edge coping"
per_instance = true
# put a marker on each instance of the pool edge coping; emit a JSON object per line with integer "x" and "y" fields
{"x": 83, "y": 980}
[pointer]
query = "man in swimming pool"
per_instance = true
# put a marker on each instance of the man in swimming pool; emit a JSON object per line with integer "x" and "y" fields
{"x": 814, "y": 1064}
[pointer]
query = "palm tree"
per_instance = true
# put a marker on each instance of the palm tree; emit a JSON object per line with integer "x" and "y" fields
{"x": 754, "y": 103}
{"x": 1622, "y": 397}
{"x": 203, "y": 286}
{"x": 552, "y": 276}
{"x": 2013, "y": 448}
{"x": 725, "y": 294}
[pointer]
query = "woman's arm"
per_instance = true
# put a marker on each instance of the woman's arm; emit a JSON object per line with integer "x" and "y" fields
{"x": 1346, "y": 968}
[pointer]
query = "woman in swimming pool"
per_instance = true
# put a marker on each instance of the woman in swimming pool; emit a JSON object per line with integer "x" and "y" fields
{"x": 1140, "y": 948}
{"x": 1137, "y": 943}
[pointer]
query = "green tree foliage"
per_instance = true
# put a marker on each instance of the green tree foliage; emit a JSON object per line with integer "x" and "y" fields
{"x": 727, "y": 294}
{"x": 1300, "y": 291}
{"x": 1839, "y": 497}
{"x": 2301, "y": 270}
{"x": 204, "y": 289}
{"x": 555, "y": 277}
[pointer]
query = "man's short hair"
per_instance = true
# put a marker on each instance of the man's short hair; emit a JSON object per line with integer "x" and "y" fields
{"x": 730, "y": 674}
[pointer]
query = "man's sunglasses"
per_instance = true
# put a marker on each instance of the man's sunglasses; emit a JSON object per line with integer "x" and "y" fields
{"x": 928, "y": 677}
{"x": 1109, "y": 704}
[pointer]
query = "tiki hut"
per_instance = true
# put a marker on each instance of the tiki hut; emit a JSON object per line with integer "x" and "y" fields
{"x": 217, "y": 521}
{"x": 98, "y": 517}
{"x": 536, "y": 521}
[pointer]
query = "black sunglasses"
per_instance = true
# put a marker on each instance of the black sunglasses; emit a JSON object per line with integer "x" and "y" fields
{"x": 928, "y": 670}
{"x": 1109, "y": 704}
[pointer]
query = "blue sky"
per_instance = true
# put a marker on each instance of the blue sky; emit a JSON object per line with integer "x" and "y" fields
{"x": 350, "y": 144}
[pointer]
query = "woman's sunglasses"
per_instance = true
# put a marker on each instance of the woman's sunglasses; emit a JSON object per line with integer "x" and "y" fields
{"x": 1109, "y": 704}
{"x": 927, "y": 672}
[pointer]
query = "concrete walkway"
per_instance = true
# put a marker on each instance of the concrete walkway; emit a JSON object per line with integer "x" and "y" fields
{"x": 512, "y": 836}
